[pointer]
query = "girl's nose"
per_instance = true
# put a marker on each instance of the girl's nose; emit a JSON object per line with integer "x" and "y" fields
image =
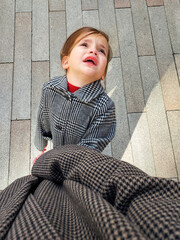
{"x": 93, "y": 51}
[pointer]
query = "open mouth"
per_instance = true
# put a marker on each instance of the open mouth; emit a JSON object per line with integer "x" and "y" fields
{"x": 92, "y": 60}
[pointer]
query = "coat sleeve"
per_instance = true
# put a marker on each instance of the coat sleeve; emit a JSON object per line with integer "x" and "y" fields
{"x": 101, "y": 130}
{"x": 39, "y": 141}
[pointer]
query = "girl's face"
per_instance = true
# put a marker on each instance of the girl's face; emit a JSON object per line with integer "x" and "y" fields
{"x": 88, "y": 58}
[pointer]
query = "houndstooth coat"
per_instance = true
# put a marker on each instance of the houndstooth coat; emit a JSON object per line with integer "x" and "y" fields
{"x": 77, "y": 193}
{"x": 85, "y": 117}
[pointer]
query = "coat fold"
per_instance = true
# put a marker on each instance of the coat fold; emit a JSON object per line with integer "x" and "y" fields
{"x": 77, "y": 193}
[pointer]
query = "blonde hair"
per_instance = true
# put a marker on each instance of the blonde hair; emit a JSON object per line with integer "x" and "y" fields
{"x": 84, "y": 31}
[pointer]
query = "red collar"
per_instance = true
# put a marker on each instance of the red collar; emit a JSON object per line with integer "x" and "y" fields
{"x": 72, "y": 88}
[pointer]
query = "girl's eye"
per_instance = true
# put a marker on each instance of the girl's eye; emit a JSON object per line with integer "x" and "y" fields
{"x": 84, "y": 44}
{"x": 102, "y": 51}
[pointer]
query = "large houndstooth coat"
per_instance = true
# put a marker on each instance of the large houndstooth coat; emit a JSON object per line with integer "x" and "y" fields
{"x": 77, "y": 193}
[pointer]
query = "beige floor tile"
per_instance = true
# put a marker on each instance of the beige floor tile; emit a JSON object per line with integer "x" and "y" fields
{"x": 6, "y": 73}
{"x": 57, "y": 39}
{"x": 7, "y": 31}
{"x": 40, "y": 75}
{"x": 108, "y": 150}
{"x": 107, "y": 20}
{"x": 165, "y": 59}
{"x": 177, "y": 61}
{"x": 91, "y": 18}
{"x": 89, "y": 5}
{"x": 174, "y": 124}
{"x": 23, "y": 6}
{"x": 121, "y": 147}
{"x": 20, "y": 150}
{"x": 40, "y": 31}
{"x": 130, "y": 64}
{"x": 141, "y": 143}
{"x": 22, "y": 67}
{"x": 73, "y": 16}
{"x": 157, "y": 120}
{"x": 57, "y": 5}
{"x": 142, "y": 28}
{"x": 172, "y": 10}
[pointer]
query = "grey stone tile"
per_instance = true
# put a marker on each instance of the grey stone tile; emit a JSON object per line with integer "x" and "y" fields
{"x": 57, "y": 5}
{"x": 142, "y": 28}
{"x": 172, "y": 9}
{"x": 141, "y": 144}
{"x": 107, "y": 151}
{"x": 91, "y": 18}
{"x": 165, "y": 59}
{"x": 174, "y": 124}
{"x": 108, "y": 23}
{"x": 20, "y": 150}
{"x": 157, "y": 120}
{"x": 73, "y": 15}
{"x": 130, "y": 64}
{"x": 177, "y": 60}
{"x": 23, "y": 6}
{"x": 89, "y": 5}
{"x": 7, "y": 30}
{"x": 160, "y": 30}
{"x": 6, "y": 72}
{"x": 57, "y": 39}
{"x": 40, "y": 75}
{"x": 40, "y": 37}
{"x": 22, "y": 67}
{"x": 121, "y": 147}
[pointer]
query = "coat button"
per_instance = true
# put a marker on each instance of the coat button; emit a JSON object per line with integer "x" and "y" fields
{"x": 59, "y": 127}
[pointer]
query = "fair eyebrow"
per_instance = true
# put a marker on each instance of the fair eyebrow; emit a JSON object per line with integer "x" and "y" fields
{"x": 102, "y": 46}
{"x": 89, "y": 40}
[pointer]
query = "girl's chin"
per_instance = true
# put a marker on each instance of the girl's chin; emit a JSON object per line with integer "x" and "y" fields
{"x": 90, "y": 73}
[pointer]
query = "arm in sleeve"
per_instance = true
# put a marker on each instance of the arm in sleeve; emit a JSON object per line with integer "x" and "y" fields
{"x": 39, "y": 141}
{"x": 101, "y": 130}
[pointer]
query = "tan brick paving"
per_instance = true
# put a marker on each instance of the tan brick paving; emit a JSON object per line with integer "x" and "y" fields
{"x": 152, "y": 3}
{"x": 122, "y": 3}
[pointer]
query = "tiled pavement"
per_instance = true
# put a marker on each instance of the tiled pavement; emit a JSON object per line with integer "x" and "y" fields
{"x": 143, "y": 76}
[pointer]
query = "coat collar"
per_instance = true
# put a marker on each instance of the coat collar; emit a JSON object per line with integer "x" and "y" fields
{"x": 84, "y": 94}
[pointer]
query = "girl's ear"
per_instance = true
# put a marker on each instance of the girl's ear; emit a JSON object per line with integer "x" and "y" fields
{"x": 65, "y": 62}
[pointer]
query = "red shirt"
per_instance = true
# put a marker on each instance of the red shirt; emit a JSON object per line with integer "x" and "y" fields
{"x": 72, "y": 88}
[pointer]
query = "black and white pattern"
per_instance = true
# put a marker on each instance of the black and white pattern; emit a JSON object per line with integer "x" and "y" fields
{"x": 85, "y": 117}
{"x": 77, "y": 193}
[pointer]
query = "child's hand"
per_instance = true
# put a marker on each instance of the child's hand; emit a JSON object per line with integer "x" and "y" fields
{"x": 44, "y": 149}
{"x": 42, "y": 152}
